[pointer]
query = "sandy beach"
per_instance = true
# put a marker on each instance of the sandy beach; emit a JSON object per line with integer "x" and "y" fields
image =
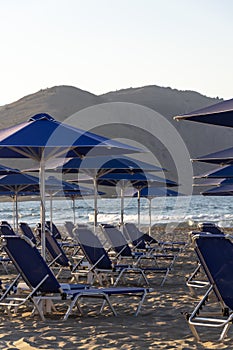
{"x": 160, "y": 324}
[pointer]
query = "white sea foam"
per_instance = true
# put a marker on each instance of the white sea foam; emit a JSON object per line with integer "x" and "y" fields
{"x": 212, "y": 209}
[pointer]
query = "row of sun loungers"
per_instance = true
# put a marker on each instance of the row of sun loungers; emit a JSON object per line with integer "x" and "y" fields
{"x": 40, "y": 283}
{"x": 43, "y": 285}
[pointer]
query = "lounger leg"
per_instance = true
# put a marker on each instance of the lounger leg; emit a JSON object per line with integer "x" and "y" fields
{"x": 145, "y": 278}
{"x": 107, "y": 300}
{"x": 118, "y": 278}
{"x": 165, "y": 277}
{"x": 225, "y": 330}
{"x": 38, "y": 302}
{"x": 194, "y": 331}
{"x": 70, "y": 307}
{"x": 140, "y": 303}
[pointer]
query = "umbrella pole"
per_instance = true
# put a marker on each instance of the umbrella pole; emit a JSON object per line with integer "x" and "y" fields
{"x": 139, "y": 224}
{"x": 42, "y": 204}
{"x": 13, "y": 208}
{"x": 16, "y": 212}
{"x": 74, "y": 218}
{"x": 122, "y": 206}
{"x": 150, "y": 215}
{"x": 51, "y": 212}
{"x": 95, "y": 203}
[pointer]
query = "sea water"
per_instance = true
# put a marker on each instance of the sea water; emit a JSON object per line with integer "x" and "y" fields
{"x": 163, "y": 210}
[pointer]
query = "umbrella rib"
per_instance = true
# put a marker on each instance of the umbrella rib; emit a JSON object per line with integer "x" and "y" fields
{"x": 26, "y": 154}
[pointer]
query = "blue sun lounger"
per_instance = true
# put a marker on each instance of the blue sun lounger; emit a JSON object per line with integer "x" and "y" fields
{"x": 27, "y": 231}
{"x": 119, "y": 244}
{"x": 101, "y": 264}
{"x": 215, "y": 253}
{"x": 43, "y": 285}
{"x": 55, "y": 251}
{"x": 143, "y": 241}
{"x": 5, "y": 228}
{"x": 192, "y": 281}
{"x": 55, "y": 232}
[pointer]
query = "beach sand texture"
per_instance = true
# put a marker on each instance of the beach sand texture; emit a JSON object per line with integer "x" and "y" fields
{"x": 160, "y": 324}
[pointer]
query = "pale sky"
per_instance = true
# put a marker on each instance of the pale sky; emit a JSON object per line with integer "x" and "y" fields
{"x": 107, "y": 45}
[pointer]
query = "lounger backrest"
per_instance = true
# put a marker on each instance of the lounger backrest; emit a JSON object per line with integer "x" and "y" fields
{"x": 93, "y": 249}
{"x": 27, "y": 231}
{"x": 135, "y": 236}
{"x": 69, "y": 226}
{"x": 55, "y": 232}
{"x": 116, "y": 240}
{"x": 53, "y": 248}
{"x": 210, "y": 227}
{"x": 216, "y": 254}
{"x": 147, "y": 238}
{"x": 30, "y": 263}
{"x": 6, "y": 229}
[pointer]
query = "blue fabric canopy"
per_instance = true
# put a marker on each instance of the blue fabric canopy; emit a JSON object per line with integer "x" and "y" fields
{"x": 42, "y": 133}
{"x": 222, "y": 157}
{"x": 222, "y": 172}
{"x": 5, "y": 170}
{"x": 223, "y": 190}
{"x": 217, "y": 114}
{"x": 214, "y": 182}
{"x": 152, "y": 192}
{"x": 137, "y": 179}
{"x": 102, "y": 164}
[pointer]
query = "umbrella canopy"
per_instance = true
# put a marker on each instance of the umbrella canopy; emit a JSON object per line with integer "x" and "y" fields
{"x": 5, "y": 170}
{"x": 214, "y": 182}
{"x": 101, "y": 165}
{"x": 16, "y": 184}
{"x": 137, "y": 180}
{"x": 222, "y": 157}
{"x": 152, "y": 192}
{"x": 223, "y": 190}
{"x": 218, "y": 114}
{"x": 42, "y": 137}
{"x": 222, "y": 172}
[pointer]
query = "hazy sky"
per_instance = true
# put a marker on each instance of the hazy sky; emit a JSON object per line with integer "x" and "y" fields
{"x": 105, "y": 45}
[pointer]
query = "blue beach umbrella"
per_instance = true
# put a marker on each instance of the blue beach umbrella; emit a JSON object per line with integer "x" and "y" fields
{"x": 152, "y": 192}
{"x": 213, "y": 182}
{"x": 100, "y": 166}
{"x": 222, "y": 190}
{"x": 223, "y": 157}
{"x": 103, "y": 164}
{"x": 5, "y": 170}
{"x": 218, "y": 114}
{"x": 42, "y": 138}
{"x": 16, "y": 184}
{"x": 221, "y": 172}
{"x": 136, "y": 180}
